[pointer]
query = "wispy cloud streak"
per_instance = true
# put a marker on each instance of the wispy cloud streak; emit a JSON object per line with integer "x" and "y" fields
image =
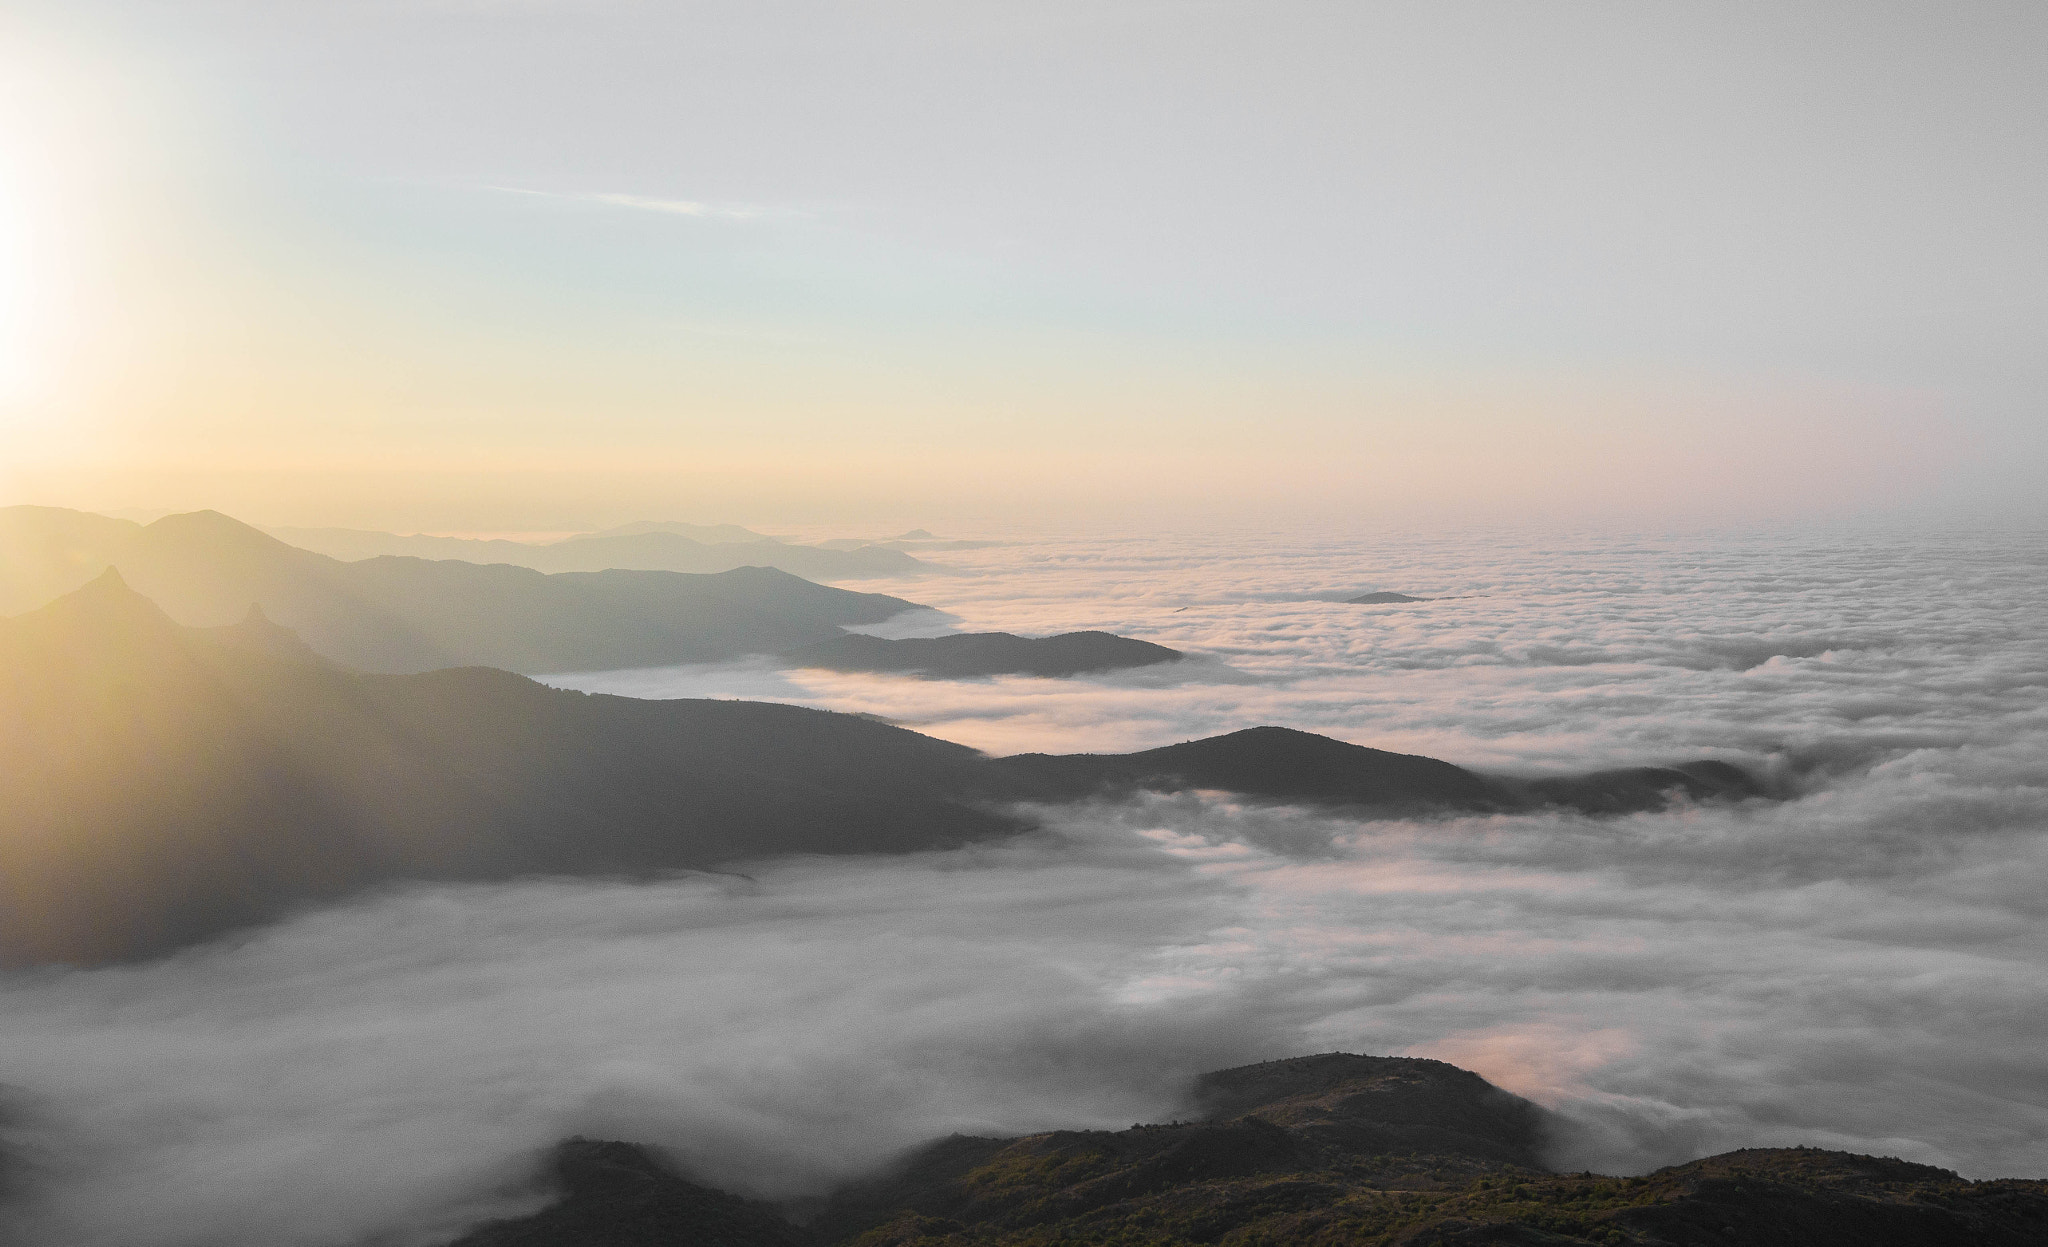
{"x": 650, "y": 203}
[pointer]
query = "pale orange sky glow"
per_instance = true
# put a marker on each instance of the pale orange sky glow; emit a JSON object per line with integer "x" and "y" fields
{"x": 271, "y": 264}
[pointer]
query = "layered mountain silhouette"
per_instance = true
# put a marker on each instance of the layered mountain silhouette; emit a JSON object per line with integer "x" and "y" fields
{"x": 392, "y": 614}
{"x": 166, "y": 783}
{"x": 1330, "y": 1149}
{"x": 645, "y": 546}
{"x": 972, "y": 654}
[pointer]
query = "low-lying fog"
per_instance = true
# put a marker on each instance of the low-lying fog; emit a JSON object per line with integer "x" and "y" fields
{"x": 1863, "y": 967}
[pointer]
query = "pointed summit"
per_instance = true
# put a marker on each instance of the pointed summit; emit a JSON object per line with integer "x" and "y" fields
{"x": 104, "y": 617}
{"x": 256, "y": 633}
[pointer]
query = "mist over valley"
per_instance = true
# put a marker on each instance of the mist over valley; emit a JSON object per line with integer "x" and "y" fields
{"x": 1834, "y": 943}
{"x": 971, "y": 624}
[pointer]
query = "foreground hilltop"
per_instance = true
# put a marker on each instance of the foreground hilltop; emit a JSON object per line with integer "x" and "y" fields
{"x": 1331, "y": 1149}
{"x": 166, "y": 783}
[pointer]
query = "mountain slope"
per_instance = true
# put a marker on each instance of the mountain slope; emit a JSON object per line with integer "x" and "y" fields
{"x": 1332, "y": 1149}
{"x": 1282, "y": 764}
{"x": 166, "y": 783}
{"x": 1273, "y": 762}
{"x": 406, "y": 614}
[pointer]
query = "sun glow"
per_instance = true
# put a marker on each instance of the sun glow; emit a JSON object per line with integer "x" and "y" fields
{"x": 33, "y": 118}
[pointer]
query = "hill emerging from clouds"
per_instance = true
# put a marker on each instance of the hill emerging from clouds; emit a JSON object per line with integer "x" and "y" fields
{"x": 169, "y": 783}
{"x": 1330, "y": 1149}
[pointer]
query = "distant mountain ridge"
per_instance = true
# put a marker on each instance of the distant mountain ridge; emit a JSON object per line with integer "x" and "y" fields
{"x": 169, "y": 783}
{"x": 644, "y": 546}
{"x": 1326, "y": 1150}
{"x": 166, "y": 784}
{"x": 391, "y": 614}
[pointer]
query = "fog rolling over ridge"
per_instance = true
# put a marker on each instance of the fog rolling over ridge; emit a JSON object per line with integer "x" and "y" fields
{"x": 1857, "y": 967}
{"x": 171, "y": 784}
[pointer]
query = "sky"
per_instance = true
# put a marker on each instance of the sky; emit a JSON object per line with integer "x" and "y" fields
{"x": 537, "y": 265}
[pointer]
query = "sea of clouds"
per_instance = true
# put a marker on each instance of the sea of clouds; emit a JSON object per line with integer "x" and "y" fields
{"x": 1863, "y": 966}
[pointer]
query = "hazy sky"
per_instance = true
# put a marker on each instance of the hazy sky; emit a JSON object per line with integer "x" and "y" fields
{"x": 537, "y": 264}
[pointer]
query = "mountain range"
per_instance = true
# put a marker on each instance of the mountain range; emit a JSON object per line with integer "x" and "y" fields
{"x": 168, "y": 783}
{"x": 403, "y": 614}
{"x": 1330, "y": 1149}
{"x": 645, "y": 546}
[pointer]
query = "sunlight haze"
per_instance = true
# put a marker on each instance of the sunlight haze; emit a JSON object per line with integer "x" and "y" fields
{"x": 543, "y": 266}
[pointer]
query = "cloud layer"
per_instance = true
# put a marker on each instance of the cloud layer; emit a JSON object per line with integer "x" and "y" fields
{"x": 1859, "y": 967}
{"x": 1553, "y": 649}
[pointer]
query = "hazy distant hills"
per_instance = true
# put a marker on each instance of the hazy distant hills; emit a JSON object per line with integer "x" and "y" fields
{"x": 1382, "y": 599}
{"x": 393, "y": 614}
{"x": 645, "y": 546}
{"x": 1331, "y": 1149}
{"x": 165, "y": 783}
{"x": 974, "y": 654}
{"x": 915, "y": 539}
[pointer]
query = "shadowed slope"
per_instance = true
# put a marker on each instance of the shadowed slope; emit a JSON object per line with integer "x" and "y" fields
{"x": 1282, "y": 764}
{"x": 1368, "y": 1119}
{"x": 166, "y": 784}
{"x": 1328, "y": 1150}
{"x": 619, "y": 1195}
{"x": 1274, "y": 762}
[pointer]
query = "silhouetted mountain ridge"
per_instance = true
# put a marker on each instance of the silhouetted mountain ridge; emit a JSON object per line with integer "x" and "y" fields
{"x": 1331, "y": 1149}
{"x": 168, "y": 783}
{"x": 392, "y": 614}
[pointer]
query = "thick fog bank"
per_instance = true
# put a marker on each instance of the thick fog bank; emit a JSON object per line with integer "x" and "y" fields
{"x": 1533, "y": 651}
{"x": 1864, "y": 966}
{"x": 1860, "y": 968}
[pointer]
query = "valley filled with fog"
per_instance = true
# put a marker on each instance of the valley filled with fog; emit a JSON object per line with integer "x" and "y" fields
{"x": 1858, "y": 966}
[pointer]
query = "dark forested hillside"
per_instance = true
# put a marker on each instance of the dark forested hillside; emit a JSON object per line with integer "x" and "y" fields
{"x": 1332, "y": 1149}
